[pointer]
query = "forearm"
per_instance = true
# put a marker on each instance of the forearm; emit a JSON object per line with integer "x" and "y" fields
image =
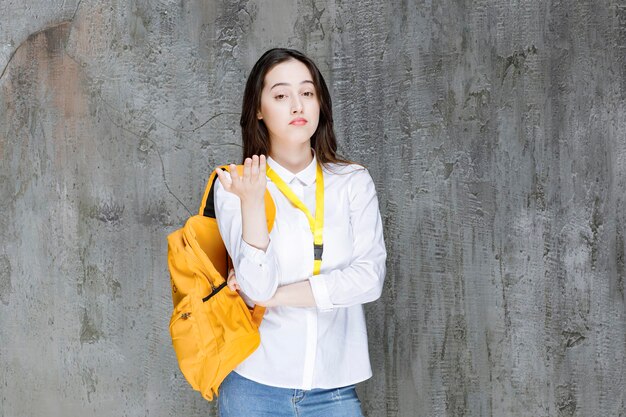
{"x": 254, "y": 223}
{"x": 298, "y": 294}
{"x": 256, "y": 264}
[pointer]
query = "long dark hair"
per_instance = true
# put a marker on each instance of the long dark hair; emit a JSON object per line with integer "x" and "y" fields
{"x": 254, "y": 133}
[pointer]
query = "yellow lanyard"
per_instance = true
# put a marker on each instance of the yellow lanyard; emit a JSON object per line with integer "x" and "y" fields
{"x": 317, "y": 224}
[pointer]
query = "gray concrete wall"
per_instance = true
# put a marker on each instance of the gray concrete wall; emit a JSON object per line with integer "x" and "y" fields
{"x": 496, "y": 134}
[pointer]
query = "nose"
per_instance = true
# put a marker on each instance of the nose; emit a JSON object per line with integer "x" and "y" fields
{"x": 296, "y": 104}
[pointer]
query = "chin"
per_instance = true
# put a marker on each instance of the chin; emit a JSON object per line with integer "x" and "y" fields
{"x": 299, "y": 139}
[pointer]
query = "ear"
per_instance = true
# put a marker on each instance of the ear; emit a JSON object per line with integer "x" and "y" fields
{"x": 259, "y": 115}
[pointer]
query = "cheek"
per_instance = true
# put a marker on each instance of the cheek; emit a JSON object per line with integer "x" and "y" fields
{"x": 272, "y": 116}
{"x": 315, "y": 112}
{"x": 312, "y": 109}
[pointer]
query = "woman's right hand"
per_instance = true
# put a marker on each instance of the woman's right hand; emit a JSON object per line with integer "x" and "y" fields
{"x": 232, "y": 281}
{"x": 250, "y": 186}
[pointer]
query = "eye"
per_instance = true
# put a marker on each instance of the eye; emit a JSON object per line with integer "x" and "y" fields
{"x": 279, "y": 96}
{"x": 309, "y": 93}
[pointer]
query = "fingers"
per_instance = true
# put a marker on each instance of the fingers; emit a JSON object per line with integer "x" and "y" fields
{"x": 232, "y": 281}
{"x": 255, "y": 168}
{"x": 258, "y": 167}
{"x": 262, "y": 165}
{"x": 246, "y": 169}
{"x": 223, "y": 178}
{"x": 234, "y": 174}
{"x": 252, "y": 167}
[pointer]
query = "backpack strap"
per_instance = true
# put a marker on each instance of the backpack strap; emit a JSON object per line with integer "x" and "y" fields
{"x": 207, "y": 206}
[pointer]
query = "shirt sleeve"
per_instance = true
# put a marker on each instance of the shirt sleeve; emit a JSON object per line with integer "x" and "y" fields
{"x": 257, "y": 271}
{"x": 362, "y": 281}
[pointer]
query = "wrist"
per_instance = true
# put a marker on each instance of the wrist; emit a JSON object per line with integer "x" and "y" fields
{"x": 253, "y": 203}
{"x": 272, "y": 302}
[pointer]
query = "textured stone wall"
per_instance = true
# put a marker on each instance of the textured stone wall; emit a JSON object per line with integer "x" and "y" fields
{"x": 495, "y": 131}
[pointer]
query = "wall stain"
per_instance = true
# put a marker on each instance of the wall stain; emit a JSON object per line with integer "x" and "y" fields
{"x": 595, "y": 223}
{"x": 456, "y": 363}
{"x": 477, "y": 106}
{"x": 95, "y": 282}
{"x": 90, "y": 380}
{"x": 537, "y": 194}
{"x": 6, "y": 193}
{"x": 157, "y": 213}
{"x": 620, "y": 261}
{"x": 108, "y": 212}
{"x": 448, "y": 167}
{"x": 566, "y": 400}
{"x": 515, "y": 62}
{"x": 53, "y": 32}
{"x": 308, "y": 26}
{"x": 5, "y": 279}
{"x": 56, "y": 36}
{"x": 573, "y": 338}
{"x": 89, "y": 332}
{"x": 446, "y": 107}
{"x": 233, "y": 27}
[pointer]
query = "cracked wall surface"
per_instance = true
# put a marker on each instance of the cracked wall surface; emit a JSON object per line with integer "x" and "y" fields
{"x": 495, "y": 132}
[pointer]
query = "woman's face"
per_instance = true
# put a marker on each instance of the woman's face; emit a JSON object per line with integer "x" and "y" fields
{"x": 289, "y": 94}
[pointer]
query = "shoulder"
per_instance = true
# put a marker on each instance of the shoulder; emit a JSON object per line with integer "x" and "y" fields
{"x": 345, "y": 170}
{"x": 350, "y": 173}
{"x": 354, "y": 179}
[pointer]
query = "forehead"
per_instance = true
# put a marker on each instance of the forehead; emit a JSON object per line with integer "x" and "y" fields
{"x": 292, "y": 72}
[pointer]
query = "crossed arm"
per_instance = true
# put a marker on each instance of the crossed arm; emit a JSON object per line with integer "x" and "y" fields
{"x": 298, "y": 294}
{"x": 259, "y": 271}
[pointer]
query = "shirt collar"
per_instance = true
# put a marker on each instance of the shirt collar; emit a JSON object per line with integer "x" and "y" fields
{"x": 307, "y": 175}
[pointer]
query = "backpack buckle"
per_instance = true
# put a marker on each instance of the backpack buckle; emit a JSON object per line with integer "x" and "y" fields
{"x": 317, "y": 251}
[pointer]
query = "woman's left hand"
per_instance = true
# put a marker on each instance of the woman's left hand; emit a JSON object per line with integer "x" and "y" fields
{"x": 234, "y": 286}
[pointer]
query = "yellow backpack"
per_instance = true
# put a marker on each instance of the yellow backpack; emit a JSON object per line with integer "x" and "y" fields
{"x": 213, "y": 330}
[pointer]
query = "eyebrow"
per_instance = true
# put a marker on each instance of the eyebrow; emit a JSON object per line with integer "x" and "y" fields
{"x": 305, "y": 81}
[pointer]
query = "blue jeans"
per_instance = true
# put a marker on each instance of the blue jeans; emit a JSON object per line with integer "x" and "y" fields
{"x": 242, "y": 397}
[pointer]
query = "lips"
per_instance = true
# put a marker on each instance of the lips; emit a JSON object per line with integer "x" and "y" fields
{"x": 298, "y": 121}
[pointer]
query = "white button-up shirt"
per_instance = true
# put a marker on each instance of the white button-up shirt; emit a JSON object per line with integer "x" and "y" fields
{"x": 311, "y": 347}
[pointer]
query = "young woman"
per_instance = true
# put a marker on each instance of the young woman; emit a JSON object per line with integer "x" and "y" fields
{"x": 324, "y": 258}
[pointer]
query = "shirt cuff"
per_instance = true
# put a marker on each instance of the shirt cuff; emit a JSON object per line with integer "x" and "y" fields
{"x": 256, "y": 255}
{"x": 320, "y": 293}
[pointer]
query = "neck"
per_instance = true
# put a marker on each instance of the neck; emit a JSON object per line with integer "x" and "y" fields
{"x": 294, "y": 159}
